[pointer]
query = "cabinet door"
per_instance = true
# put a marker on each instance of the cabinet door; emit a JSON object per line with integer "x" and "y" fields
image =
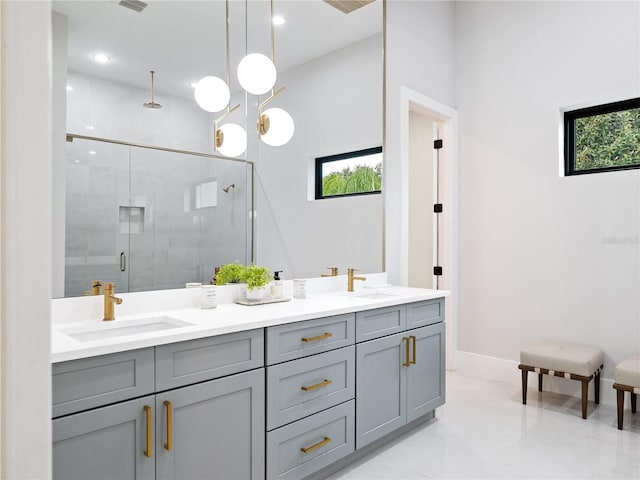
{"x": 425, "y": 377}
{"x": 381, "y": 388}
{"x": 105, "y": 443}
{"x": 217, "y": 429}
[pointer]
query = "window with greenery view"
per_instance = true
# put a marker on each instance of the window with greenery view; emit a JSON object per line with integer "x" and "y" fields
{"x": 352, "y": 173}
{"x": 602, "y": 138}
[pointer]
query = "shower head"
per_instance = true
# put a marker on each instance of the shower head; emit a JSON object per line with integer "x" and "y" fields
{"x": 228, "y": 187}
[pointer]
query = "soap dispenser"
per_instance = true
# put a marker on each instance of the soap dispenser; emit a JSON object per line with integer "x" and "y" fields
{"x": 276, "y": 286}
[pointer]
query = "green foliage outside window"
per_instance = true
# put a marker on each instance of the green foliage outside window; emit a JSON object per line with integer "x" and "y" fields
{"x": 359, "y": 179}
{"x": 608, "y": 140}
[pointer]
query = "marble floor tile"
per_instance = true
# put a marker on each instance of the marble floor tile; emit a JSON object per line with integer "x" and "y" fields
{"x": 484, "y": 432}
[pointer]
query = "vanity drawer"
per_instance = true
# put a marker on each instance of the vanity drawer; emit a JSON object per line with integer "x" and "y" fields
{"x": 326, "y": 436}
{"x": 299, "y": 339}
{"x": 185, "y": 363}
{"x": 380, "y": 322}
{"x": 306, "y": 386}
{"x": 96, "y": 381}
{"x": 428, "y": 312}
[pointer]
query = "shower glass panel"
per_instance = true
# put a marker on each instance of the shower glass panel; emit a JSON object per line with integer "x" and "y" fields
{"x": 166, "y": 218}
{"x": 97, "y": 183}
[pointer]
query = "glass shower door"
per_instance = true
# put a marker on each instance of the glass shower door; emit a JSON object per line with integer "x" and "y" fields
{"x": 97, "y": 183}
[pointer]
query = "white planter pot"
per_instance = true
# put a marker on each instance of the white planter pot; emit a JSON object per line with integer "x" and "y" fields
{"x": 258, "y": 293}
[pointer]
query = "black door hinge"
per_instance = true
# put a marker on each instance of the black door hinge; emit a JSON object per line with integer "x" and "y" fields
{"x": 437, "y": 271}
{"x": 437, "y": 144}
{"x": 437, "y": 208}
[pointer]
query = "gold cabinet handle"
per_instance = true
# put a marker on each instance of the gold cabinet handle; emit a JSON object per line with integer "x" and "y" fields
{"x": 413, "y": 342}
{"x": 318, "y": 337}
{"x": 316, "y": 446}
{"x": 317, "y": 385}
{"x": 407, "y": 362}
{"x": 169, "y": 444}
{"x": 148, "y": 452}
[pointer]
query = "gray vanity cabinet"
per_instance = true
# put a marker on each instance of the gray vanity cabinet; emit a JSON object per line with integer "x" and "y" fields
{"x": 105, "y": 443}
{"x": 116, "y": 421}
{"x": 212, "y": 430}
{"x": 399, "y": 378}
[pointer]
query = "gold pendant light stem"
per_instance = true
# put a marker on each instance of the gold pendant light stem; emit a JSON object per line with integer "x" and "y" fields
{"x": 228, "y": 60}
{"x": 273, "y": 49}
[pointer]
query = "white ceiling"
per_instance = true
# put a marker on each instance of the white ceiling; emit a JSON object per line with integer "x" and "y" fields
{"x": 184, "y": 40}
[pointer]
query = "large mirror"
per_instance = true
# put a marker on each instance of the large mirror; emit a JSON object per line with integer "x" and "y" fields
{"x": 177, "y": 209}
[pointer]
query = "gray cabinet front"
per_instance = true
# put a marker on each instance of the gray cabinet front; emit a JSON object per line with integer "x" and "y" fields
{"x": 425, "y": 377}
{"x": 106, "y": 443}
{"x": 212, "y": 430}
{"x": 381, "y": 381}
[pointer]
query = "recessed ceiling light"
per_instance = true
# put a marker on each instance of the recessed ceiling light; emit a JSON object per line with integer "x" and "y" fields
{"x": 90, "y": 127}
{"x": 101, "y": 57}
{"x": 92, "y": 152}
{"x": 69, "y": 88}
{"x": 278, "y": 20}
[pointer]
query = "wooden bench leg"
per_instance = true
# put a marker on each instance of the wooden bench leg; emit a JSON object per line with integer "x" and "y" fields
{"x": 620, "y": 407}
{"x": 524, "y": 386}
{"x": 634, "y": 397}
{"x": 597, "y": 388}
{"x": 539, "y": 382}
{"x": 585, "y": 389}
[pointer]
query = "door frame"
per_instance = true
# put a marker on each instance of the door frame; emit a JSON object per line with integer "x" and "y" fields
{"x": 411, "y": 100}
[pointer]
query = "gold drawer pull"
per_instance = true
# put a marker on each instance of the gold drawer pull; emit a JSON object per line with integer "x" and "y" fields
{"x": 316, "y": 446}
{"x": 317, "y": 385}
{"x": 318, "y": 337}
{"x": 407, "y": 362}
{"x": 148, "y": 453}
{"x": 169, "y": 444}
{"x": 413, "y": 341}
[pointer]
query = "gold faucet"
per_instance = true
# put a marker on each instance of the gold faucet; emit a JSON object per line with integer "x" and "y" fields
{"x": 109, "y": 300}
{"x": 351, "y": 278}
{"x": 96, "y": 288}
{"x": 334, "y": 272}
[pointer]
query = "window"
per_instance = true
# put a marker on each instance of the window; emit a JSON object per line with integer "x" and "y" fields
{"x": 347, "y": 174}
{"x": 602, "y": 138}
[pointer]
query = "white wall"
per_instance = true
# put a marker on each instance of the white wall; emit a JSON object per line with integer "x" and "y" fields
{"x": 535, "y": 255}
{"x": 343, "y": 114}
{"x": 25, "y": 369}
{"x": 420, "y": 55}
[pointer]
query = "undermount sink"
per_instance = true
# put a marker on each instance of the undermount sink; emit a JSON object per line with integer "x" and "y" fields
{"x": 376, "y": 295}
{"x": 119, "y": 328}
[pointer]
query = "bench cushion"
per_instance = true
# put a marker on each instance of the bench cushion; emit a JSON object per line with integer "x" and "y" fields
{"x": 628, "y": 372}
{"x": 563, "y": 357}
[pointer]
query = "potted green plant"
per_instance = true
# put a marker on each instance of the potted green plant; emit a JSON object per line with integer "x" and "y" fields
{"x": 257, "y": 279}
{"x": 230, "y": 273}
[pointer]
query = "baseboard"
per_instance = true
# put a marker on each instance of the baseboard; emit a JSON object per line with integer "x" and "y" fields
{"x": 507, "y": 371}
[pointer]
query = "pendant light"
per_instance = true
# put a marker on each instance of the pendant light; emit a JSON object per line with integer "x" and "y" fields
{"x": 256, "y": 72}
{"x": 230, "y": 139}
{"x": 212, "y": 93}
{"x": 275, "y": 125}
{"x": 152, "y": 103}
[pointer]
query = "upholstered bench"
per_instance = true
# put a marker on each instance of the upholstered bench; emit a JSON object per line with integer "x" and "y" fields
{"x": 577, "y": 362}
{"x": 627, "y": 379}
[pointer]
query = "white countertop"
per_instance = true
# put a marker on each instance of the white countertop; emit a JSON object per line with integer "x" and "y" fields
{"x": 226, "y": 318}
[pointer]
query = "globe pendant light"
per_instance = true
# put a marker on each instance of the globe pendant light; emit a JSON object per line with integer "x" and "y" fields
{"x": 230, "y": 139}
{"x": 257, "y": 73}
{"x": 212, "y": 93}
{"x": 275, "y": 125}
{"x": 279, "y": 127}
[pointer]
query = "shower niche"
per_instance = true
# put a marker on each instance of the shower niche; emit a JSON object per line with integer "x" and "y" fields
{"x": 150, "y": 219}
